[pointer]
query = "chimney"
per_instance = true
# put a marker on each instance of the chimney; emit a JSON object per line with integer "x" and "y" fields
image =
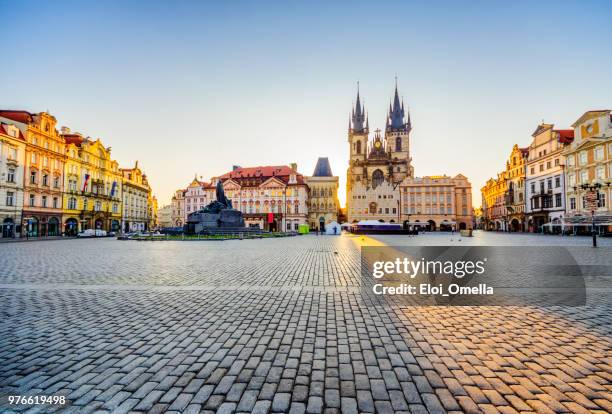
{"x": 293, "y": 166}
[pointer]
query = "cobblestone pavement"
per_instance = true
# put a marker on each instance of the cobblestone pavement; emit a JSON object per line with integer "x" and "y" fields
{"x": 280, "y": 325}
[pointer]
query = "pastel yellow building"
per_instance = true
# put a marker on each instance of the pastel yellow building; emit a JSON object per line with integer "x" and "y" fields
{"x": 514, "y": 199}
{"x": 137, "y": 204}
{"x": 588, "y": 173}
{"x": 92, "y": 186}
{"x": 493, "y": 203}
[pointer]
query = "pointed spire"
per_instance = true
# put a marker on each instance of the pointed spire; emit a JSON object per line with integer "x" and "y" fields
{"x": 367, "y": 123}
{"x": 358, "y": 113}
{"x": 396, "y": 111}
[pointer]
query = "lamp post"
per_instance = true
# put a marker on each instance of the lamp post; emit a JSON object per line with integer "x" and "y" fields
{"x": 593, "y": 188}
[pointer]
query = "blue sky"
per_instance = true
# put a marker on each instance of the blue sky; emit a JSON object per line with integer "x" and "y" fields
{"x": 195, "y": 87}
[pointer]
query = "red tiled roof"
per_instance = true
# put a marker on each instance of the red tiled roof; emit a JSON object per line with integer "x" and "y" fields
{"x": 566, "y": 136}
{"x": 4, "y": 131}
{"x": 281, "y": 172}
{"x": 73, "y": 139}
{"x": 18, "y": 116}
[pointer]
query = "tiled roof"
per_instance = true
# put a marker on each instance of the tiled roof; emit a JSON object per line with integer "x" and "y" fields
{"x": 4, "y": 131}
{"x": 75, "y": 139}
{"x": 566, "y": 136}
{"x": 281, "y": 172}
{"x": 16, "y": 115}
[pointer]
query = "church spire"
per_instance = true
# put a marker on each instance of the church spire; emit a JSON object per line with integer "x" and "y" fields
{"x": 396, "y": 111}
{"x": 358, "y": 114}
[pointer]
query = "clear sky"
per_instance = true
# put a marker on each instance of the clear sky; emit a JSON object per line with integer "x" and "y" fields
{"x": 196, "y": 87}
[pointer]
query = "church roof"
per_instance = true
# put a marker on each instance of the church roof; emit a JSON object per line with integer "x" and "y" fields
{"x": 322, "y": 169}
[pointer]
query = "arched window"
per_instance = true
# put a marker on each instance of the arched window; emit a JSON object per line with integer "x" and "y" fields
{"x": 358, "y": 147}
{"x": 377, "y": 178}
{"x": 398, "y": 144}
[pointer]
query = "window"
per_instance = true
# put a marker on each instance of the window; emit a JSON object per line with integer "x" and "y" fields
{"x": 33, "y": 158}
{"x": 532, "y": 170}
{"x": 541, "y": 167}
{"x": 571, "y": 180}
{"x": 115, "y": 208}
{"x": 532, "y": 188}
{"x": 55, "y": 202}
{"x": 536, "y": 203}
{"x": 56, "y": 182}
{"x": 549, "y": 184}
{"x": 377, "y": 178}
{"x": 548, "y": 165}
{"x": 44, "y": 201}
{"x": 570, "y": 160}
{"x": 557, "y": 181}
{"x": 85, "y": 204}
{"x": 583, "y": 158}
{"x": 599, "y": 153}
{"x": 72, "y": 203}
{"x": 600, "y": 172}
{"x": 45, "y": 180}
{"x": 32, "y": 200}
{"x": 10, "y": 198}
{"x": 557, "y": 200}
{"x": 11, "y": 175}
{"x": 572, "y": 203}
{"x": 601, "y": 200}
{"x": 33, "y": 177}
{"x": 358, "y": 147}
{"x": 398, "y": 144}
{"x": 12, "y": 153}
{"x": 584, "y": 177}
{"x": 556, "y": 162}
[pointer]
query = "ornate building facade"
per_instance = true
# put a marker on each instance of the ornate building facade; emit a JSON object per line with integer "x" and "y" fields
{"x": 436, "y": 202}
{"x": 544, "y": 177}
{"x": 514, "y": 199}
{"x": 92, "y": 186}
{"x": 12, "y": 160}
{"x": 44, "y": 166}
{"x": 493, "y": 203}
{"x": 588, "y": 172}
{"x": 136, "y": 200}
{"x": 377, "y": 167}
{"x": 177, "y": 215}
{"x": 273, "y": 198}
{"x": 323, "y": 204}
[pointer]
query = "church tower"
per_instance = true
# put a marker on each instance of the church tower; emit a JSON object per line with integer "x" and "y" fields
{"x": 358, "y": 129}
{"x": 397, "y": 137}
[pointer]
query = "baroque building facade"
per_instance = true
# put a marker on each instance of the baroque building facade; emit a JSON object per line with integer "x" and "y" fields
{"x": 323, "y": 204}
{"x": 588, "y": 173}
{"x": 514, "y": 199}
{"x": 12, "y": 160}
{"x": 43, "y": 170}
{"x": 273, "y": 198}
{"x": 493, "y": 204}
{"x": 544, "y": 177}
{"x": 378, "y": 166}
{"x": 92, "y": 186}
{"x": 136, "y": 200}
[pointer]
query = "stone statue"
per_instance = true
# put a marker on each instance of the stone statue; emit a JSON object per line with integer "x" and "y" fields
{"x": 218, "y": 213}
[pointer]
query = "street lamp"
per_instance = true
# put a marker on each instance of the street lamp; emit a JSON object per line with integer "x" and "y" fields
{"x": 593, "y": 188}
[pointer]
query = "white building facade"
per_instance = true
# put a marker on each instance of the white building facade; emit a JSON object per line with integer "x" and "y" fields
{"x": 12, "y": 160}
{"x": 544, "y": 178}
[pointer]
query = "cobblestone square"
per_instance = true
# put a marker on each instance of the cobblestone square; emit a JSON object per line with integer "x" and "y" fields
{"x": 283, "y": 325}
